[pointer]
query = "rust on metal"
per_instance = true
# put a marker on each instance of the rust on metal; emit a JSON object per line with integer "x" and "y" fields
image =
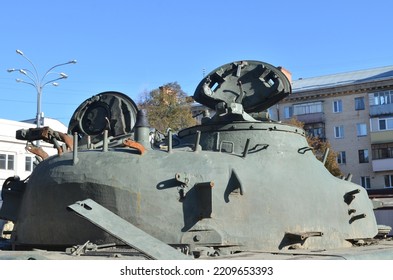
{"x": 48, "y": 135}
{"x": 37, "y": 151}
{"x": 134, "y": 145}
{"x": 67, "y": 139}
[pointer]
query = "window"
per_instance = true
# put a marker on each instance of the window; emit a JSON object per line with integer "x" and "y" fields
{"x": 386, "y": 124}
{"x": 3, "y": 161}
{"x": 388, "y": 181}
{"x": 382, "y": 124}
{"x": 6, "y": 162}
{"x": 341, "y": 158}
{"x": 288, "y": 112}
{"x": 365, "y": 182}
{"x": 10, "y": 163}
{"x": 359, "y": 103}
{"x": 383, "y": 97}
{"x": 315, "y": 129}
{"x": 28, "y": 163}
{"x": 361, "y": 129}
{"x": 381, "y": 151}
{"x": 307, "y": 108}
{"x": 315, "y": 132}
{"x": 337, "y": 106}
{"x": 363, "y": 156}
{"x": 339, "y": 131}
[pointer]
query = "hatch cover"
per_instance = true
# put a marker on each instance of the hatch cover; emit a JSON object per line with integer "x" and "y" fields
{"x": 110, "y": 110}
{"x": 254, "y": 84}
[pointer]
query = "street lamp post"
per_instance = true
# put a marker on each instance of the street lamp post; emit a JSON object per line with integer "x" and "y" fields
{"x": 39, "y": 82}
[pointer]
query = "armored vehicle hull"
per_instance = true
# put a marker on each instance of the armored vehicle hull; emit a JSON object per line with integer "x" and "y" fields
{"x": 233, "y": 184}
{"x": 214, "y": 194}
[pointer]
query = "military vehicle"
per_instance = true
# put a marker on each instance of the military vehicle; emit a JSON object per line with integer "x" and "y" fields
{"x": 238, "y": 185}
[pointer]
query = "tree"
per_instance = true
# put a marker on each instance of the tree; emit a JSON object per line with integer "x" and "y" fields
{"x": 167, "y": 107}
{"x": 319, "y": 148}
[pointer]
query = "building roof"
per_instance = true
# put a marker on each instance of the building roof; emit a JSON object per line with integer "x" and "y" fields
{"x": 52, "y": 123}
{"x": 347, "y": 78}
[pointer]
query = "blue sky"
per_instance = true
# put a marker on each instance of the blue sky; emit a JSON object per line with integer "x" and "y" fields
{"x": 136, "y": 46}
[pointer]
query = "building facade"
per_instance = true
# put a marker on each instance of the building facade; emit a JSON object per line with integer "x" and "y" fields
{"x": 354, "y": 112}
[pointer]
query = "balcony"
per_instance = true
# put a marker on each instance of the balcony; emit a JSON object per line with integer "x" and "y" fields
{"x": 385, "y": 164}
{"x": 378, "y": 137}
{"x": 380, "y": 110}
{"x": 311, "y": 118}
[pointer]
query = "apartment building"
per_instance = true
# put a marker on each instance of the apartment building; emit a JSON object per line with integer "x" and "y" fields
{"x": 354, "y": 112}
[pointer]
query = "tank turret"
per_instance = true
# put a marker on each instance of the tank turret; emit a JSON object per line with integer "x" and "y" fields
{"x": 234, "y": 183}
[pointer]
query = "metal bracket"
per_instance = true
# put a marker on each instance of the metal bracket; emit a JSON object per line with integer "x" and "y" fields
{"x": 303, "y": 235}
{"x": 349, "y": 196}
{"x": 304, "y": 150}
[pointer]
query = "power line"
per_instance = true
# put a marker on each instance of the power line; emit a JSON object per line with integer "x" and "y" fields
{"x": 33, "y": 102}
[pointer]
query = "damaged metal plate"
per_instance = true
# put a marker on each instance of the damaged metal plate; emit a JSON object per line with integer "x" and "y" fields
{"x": 125, "y": 231}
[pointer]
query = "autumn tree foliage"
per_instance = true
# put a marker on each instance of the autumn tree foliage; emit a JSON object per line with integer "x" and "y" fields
{"x": 319, "y": 148}
{"x": 167, "y": 107}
